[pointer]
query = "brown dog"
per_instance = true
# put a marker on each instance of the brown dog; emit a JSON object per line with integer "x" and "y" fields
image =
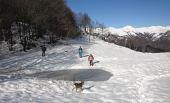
{"x": 78, "y": 86}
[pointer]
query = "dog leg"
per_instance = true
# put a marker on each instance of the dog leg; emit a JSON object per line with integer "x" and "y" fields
{"x": 81, "y": 89}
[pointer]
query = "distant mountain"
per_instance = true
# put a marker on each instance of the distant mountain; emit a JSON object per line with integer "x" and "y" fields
{"x": 132, "y": 30}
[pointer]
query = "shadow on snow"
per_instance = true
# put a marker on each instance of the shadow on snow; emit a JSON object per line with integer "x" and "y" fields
{"x": 74, "y": 75}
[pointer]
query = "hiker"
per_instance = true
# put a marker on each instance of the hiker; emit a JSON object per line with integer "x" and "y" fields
{"x": 90, "y": 59}
{"x": 43, "y": 48}
{"x": 80, "y": 52}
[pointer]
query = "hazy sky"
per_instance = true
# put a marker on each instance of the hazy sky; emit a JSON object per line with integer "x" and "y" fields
{"x": 119, "y": 13}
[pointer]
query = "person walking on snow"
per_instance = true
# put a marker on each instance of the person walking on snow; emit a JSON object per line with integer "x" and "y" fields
{"x": 90, "y": 59}
{"x": 43, "y": 48}
{"x": 80, "y": 52}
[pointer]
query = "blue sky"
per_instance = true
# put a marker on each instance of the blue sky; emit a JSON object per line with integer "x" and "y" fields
{"x": 119, "y": 13}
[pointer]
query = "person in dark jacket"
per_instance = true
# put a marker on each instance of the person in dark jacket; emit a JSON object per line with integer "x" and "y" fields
{"x": 90, "y": 59}
{"x": 43, "y": 48}
{"x": 80, "y": 52}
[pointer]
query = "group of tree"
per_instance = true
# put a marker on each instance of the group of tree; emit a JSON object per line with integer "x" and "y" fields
{"x": 148, "y": 42}
{"x": 88, "y": 25}
{"x": 30, "y": 20}
{"x": 143, "y": 42}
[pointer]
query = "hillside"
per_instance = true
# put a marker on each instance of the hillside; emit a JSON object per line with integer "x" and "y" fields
{"x": 153, "y": 39}
{"x": 136, "y": 77}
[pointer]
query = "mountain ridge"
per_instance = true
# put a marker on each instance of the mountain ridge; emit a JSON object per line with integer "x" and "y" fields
{"x": 132, "y": 30}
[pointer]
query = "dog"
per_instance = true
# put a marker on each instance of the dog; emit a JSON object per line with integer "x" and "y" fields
{"x": 78, "y": 86}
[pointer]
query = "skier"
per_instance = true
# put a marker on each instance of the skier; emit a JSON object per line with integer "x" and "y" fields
{"x": 80, "y": 52}
{"x": 43, "y": 48}
{"x": 90, "y": 59}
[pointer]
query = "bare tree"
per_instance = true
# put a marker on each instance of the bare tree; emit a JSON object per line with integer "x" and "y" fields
{"x": 34, "y": 18}
{"x": 84, "y": 21}
{"x": 102, "y": 27}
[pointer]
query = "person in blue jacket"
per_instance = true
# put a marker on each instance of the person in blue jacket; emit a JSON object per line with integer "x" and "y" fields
{"x": 80, "y": 52}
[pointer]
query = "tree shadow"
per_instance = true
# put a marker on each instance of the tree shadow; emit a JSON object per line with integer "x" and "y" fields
{"x": 66, "y": 75}
{"x": 85, "y": 55}
{"x": 88, "y": 88}
{"x": 5, "y": 78}
{"x": 73, "y": 75}
{"x": 11, "y": 74}
{"x": 95, "y": 62}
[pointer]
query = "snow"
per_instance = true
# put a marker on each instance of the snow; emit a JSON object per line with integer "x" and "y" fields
{"x": 136, "y": 77}
{"x": 4, "y": 47}
{"x": 132, "y": 30}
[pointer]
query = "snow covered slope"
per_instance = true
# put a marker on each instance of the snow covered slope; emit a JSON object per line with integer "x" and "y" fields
{"x": 136, "y": 77}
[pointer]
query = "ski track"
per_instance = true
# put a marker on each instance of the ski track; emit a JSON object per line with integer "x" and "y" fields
{"x": 137, "y": 77}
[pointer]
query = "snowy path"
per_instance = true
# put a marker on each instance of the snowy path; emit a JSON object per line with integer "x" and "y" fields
{"x": 137, "y": 77}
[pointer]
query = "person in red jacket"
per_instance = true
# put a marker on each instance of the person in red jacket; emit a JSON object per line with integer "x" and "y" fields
{"x": 90, "y": 59}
